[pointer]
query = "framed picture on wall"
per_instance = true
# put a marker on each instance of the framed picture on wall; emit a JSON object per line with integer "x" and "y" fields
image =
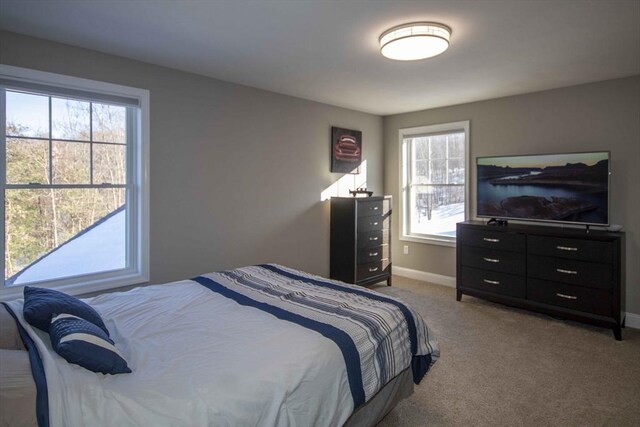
{"x": 346, "y": 150}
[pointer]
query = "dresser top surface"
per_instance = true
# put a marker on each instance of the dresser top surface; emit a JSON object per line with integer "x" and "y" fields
{"x": 362, "y": 199}
{"x": 546, "y": 230}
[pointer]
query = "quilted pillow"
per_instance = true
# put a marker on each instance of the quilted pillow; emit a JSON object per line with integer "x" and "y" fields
{"x": 40, "y": 304}
{"x": 82, "y": 343}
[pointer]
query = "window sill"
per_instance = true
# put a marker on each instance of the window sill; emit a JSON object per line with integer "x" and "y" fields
{"x": 430, "y": 240}
{"x": 80, "y": 286}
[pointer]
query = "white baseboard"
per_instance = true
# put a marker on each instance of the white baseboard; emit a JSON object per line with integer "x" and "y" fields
{"x": 632, "y": 319}
{"x": 437, "y": 279}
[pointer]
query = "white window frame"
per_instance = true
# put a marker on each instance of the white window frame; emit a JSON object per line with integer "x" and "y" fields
{"x": 137, "y": 222}
{"x": 405, "y": 210}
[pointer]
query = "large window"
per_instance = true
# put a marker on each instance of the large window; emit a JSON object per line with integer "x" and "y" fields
{"x": 74, "y": 211}
{"x": 434, "y": 181}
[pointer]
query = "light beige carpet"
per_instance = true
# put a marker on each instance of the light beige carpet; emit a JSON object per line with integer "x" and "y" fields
{"x": 501, "y": 366}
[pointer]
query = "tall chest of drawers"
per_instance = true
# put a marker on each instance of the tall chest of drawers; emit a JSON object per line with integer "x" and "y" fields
{"x": 361, "y": 239}
{"x": 563, "y": 272}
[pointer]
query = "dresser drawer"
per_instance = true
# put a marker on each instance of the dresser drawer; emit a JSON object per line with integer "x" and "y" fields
{"x": 373, "y": 269}
{"x": 584, "y": 250}
{"x": 373, "y": 222}
{"x": 589, "y": 274}
{"x": 373, "y": 238}
{"x": 374, "y": 253}
{"x": 369, "y": 208}
{"x": 574, "y": 297}
{"x": 488, "y": 259}
{"x": 503, "y": 241}
{"x": 490, "y": 281}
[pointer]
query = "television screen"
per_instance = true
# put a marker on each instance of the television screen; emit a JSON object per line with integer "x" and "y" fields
{"x": 551, "y": 187}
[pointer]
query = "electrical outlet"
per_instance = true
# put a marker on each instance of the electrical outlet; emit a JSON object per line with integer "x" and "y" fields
{"x": 406, "y": 249}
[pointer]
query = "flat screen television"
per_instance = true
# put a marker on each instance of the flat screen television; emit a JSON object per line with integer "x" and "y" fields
{"x": 569, "y": 188}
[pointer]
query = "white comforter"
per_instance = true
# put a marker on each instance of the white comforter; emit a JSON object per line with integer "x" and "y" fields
{"x": 198, "y": 359}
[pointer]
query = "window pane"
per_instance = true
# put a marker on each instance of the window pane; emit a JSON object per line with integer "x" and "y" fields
{"x": 27, "y": 161}
{"x": 438, "y": 147}
{"x": 64, "y": 232}
{"x": 109, "y": 164}
{"x": 421, "y": 172}
{"x": 27, "y": 115}
{"x": 109, "y": 123}
{"x": 71, "y": 163}
{"x": 69, "y": 119}
{"x": 456, "y": 146}
{"x": 438, "y": 171}
{"x": 420, "y": 148}
{"x": 436, "y": 209}
{"x": 456, "y": 171}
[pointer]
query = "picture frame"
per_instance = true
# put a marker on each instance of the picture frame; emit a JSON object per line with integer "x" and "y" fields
{"x": 346, "y": 150}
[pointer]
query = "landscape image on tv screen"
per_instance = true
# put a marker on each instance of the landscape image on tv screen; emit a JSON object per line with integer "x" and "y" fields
{"x": 558, "y": 187}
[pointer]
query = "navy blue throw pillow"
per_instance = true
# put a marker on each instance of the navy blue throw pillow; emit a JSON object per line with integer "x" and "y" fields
{"x": 82, "y": 343}
{"x": 40, "y": 304}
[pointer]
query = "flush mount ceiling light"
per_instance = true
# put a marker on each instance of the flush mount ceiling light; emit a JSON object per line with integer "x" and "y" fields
{"x": 417, "y": 40}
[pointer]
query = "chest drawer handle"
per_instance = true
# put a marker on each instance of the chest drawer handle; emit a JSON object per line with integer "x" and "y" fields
{"x": 373, "y": 239}
{"x": 567, "y": 296}
{"x": 372, "y": 269}
{"x": 566, "y": 248}
{"x": 491, "y": 282}
{"x": 491, "y": 259}
{"x": 375, "y": 208}
{"x": 562, "y": 270}
{"x": 486, "y": 239}
{"x": 374, "y": 223}
{"x": 373, "y": 253}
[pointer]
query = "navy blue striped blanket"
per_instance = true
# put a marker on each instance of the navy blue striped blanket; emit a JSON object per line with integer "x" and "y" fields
{"x": 379, "y": 336}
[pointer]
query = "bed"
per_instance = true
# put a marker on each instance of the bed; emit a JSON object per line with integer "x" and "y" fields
{"x": 262, "y": 345}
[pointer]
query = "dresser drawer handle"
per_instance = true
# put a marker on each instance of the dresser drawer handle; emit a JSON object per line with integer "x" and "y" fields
{"x": 566, "y": 248}
{"x": 567, "y": 296}
{"x": 372, "y": 269}
{"x": 491, "y": 259}
{"x": 375, "y": 208}
{"x": 374, "y": 223}
{"x": 491, "y": 282}
{"x": 562, "y": 270}
{"x": 373, "y": 253}
{"x": 486, "y": 239}
{"x": 373, "y": 239}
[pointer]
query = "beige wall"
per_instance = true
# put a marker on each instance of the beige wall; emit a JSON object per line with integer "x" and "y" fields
{"x": 236, "y": 172}
{"x": 590, "y": 117}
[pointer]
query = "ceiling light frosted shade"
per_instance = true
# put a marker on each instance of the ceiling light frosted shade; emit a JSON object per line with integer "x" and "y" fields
{"x": 418, "y": 40}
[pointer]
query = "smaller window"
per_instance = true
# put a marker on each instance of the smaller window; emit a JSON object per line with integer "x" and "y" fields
{"x": 435, "y": 162}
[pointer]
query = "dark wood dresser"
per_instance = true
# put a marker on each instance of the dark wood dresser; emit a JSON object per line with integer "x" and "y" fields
{"x": 361, "y": 239}
{"x": 564, "y": 272}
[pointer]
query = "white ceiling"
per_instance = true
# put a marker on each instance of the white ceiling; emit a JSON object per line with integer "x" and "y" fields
{"x": 327, "y": 50}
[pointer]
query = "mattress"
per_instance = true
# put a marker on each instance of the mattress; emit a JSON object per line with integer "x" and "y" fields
{"x": 259, "y": 345}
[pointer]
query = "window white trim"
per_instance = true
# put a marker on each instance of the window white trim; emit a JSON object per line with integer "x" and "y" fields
{"x": 3, "y": 178}
{"x": 404, "y": 212}
{"x": 138, "y": 202}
